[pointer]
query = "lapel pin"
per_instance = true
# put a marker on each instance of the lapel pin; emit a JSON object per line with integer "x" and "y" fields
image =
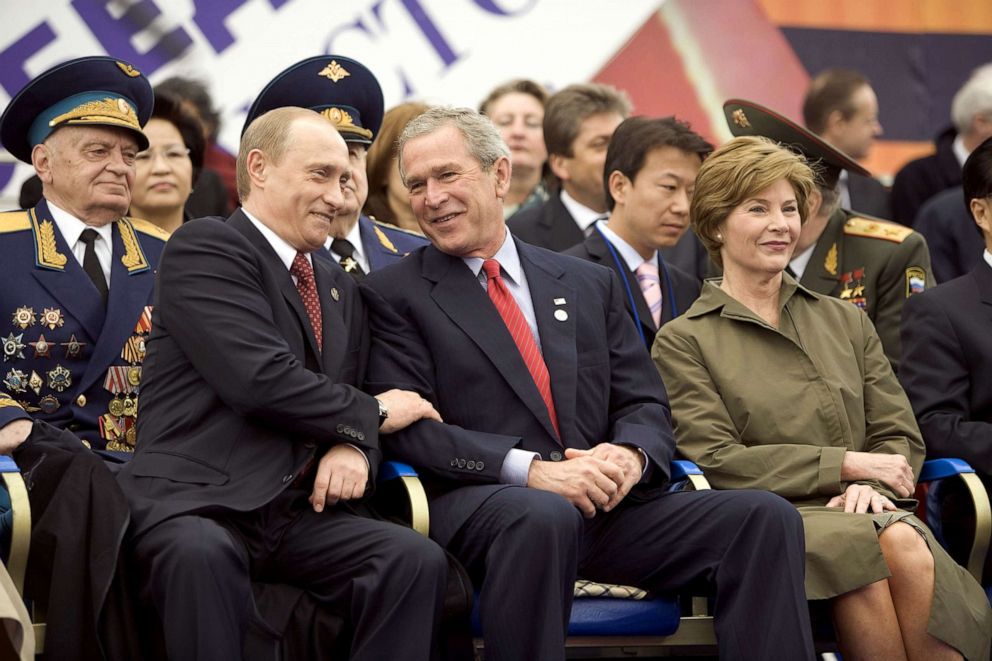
{"x": 561, "y": 315}
{"x": 559, "y": 301}
{"x": 334, "y": 293}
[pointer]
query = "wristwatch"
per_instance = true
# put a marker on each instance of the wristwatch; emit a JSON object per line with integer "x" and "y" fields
{"x": 383, "y": 411}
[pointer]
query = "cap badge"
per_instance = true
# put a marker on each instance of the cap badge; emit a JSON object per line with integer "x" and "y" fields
{"x": 334, "y": 71}
{"x": 343, "y": 120}
{"x": 128, "y": 69}
{"x": 741, "y": 119}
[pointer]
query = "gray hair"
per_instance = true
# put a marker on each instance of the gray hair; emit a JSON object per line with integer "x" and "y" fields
{"x": 974, "y": 97}
{"x": 482, "y": 138}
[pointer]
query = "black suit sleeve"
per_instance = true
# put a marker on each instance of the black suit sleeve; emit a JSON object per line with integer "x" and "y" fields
{"x": 935, "y": 373}
{"x": 214, "y": 301}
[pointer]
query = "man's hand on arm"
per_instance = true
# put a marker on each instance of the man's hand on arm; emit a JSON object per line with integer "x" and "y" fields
{"x": 342, "y": 474}
{"x": 13, "y": 434}
{"x": 588, "y": 482}
{"x": 405, "y": 408}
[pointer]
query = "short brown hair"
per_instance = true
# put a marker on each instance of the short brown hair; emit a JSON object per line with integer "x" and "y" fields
{"x": 739, "y": 169}
{"x": 832, "y": 90}
{"x": 566, "y": 110}
{"x": 269, "y": 133}
{"x": 520, "y": 86}
{"x": 381, "y": 154}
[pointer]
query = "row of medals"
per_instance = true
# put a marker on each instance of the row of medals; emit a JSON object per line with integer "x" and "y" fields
{"x": 117, "y": 426}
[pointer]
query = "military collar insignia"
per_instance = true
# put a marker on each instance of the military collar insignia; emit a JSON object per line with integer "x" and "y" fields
{"x": 47, "y": 255}
{"x": 384, "y": 240}
{"x": 133, "y": 258}
{"x": 830, "y": 263}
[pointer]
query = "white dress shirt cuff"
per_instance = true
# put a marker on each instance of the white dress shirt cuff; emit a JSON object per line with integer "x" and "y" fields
{"x": 368, "y": 466}
{"x": 516, "y": 467}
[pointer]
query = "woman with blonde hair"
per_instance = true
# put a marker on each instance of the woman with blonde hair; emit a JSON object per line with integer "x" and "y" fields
{"x": 775, "y": 387}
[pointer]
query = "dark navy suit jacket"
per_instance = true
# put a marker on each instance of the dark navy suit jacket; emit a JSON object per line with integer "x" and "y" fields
{"x": 946, "y": 366}
{"x": 462, "y": 358}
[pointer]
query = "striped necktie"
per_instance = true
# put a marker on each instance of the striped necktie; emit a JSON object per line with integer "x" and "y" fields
{"x": 647, "y": 276}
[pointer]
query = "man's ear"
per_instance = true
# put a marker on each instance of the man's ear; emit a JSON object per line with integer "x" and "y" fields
{"x": 41, "y": 159}
{"x": 618, "y": 186}
{"x": 981, "y": 210}
{"x": 815, "y": 201}
{"x": 835, "y": 122}
{"x": 559, "y": 166}
{"x": 503, "y": 171}
{"x": 257, "y": 165}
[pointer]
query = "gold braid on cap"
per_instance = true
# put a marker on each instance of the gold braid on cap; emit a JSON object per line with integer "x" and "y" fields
{"x": 109, "y": 108}
{"x": 343, "y": 121}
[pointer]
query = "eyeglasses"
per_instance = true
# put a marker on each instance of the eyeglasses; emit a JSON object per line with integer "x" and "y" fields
{"x": 173, "y": 155}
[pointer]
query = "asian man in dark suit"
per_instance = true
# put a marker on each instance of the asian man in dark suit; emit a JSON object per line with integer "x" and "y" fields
{"x": 255, "y": 439}
{"x": 553, "y": 459}
{"x": 651, "y": 168}
{"x": 947, "y": 363}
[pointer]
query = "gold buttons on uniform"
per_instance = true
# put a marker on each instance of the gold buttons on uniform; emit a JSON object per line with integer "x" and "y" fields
{"x": 81, "y": 401}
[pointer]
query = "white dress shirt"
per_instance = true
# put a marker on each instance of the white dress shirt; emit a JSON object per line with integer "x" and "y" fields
{"x": 583, "y": 216}
{"x": 71, "y": 228}
{"x": 354, "y": 237}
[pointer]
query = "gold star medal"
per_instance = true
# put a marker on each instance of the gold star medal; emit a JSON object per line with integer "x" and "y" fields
{"x": 24, "y": 317}
{"x": 52, "y": 317}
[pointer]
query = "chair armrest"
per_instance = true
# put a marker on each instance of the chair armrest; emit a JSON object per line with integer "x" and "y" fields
{"x": 20, "y": 541}
{"x": 683, "y": 469}
{"x": 419, "y": 513}
{"x": 939, "y": 469}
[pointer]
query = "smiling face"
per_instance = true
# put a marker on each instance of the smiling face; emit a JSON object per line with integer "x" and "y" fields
{"x": 458, "y": 204}
{"x": 88, "y": 171}
{"x": 298, "y": 195}
{"x": 519, "y": 118}
{"x": 164, "y": 172}
{"x": 652, "y": 211}
{"x": 760, "y": 234}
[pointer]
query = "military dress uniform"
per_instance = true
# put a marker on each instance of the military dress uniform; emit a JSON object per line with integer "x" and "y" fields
{"x": 67, "y": 360}
{"x": 874, "y": 264}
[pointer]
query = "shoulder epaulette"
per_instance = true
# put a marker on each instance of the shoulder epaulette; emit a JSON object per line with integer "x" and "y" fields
{"x": 876, "y": 229}
{"x": 396, "y": 228}
{"x": 149, "y": 228}
{"x": 14, "y": 221}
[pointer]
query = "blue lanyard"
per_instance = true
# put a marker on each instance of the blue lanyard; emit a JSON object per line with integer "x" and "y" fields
{"x": 623, "y": 268}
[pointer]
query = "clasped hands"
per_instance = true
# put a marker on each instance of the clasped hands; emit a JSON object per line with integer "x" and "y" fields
{"x": 343, "y": 471}
{"x": 594, "y": 479}
{"x": 890, "y": 469}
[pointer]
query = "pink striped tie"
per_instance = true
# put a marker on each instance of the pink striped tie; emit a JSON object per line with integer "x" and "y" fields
{"x": 647, "y": 276}
{"x": 522, "y": 336}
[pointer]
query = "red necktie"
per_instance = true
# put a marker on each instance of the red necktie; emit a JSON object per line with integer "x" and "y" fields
{"x": 307, "y": 287}
{"x": 522, "y": 336}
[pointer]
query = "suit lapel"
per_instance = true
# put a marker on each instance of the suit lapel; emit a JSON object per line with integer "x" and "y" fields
{"x": 59, "y": 272}
{"x": 816, "y": 277}
{"x": 982, "y": 275}
{"x": 331, "y": 291}
{"x": 547, "y": 289}
{"x": 286, "y": 284}
{"x": 128, "y": 295}
{"x": 465, "y": 302}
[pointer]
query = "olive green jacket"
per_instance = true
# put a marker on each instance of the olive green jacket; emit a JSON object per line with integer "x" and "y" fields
{"x": 874, "y": 264}
{"x": 776, "y": 409}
